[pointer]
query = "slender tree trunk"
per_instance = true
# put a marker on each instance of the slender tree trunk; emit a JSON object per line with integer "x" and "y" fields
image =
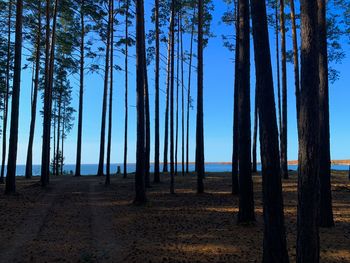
{"x": 62, "y": 138}
{"x": 284, "y": 158}
{"x": 110, "y": 113}
{"x": 104, "y": 102}
{"x": 235, "y": 139}
{"x": 177, "y": 92}
{"x": 189, "y": 95}
{"x": 54, "y": 137}
{"x": 57, "y": 159}
{"x": 29, "y": 162}
{"x": 12, "y": 160}
{"x": 295, "y": 56}
{"x": 182, "y": 102}
{"x": 308, "y": 242}
{"x": 156, "y": 125}
{"x": 172, "y": 85}
{"x": 148, "y": 128}
{"x": 246, "y": 194}
{"x": 200, "y": 126}
{"x": 49, "y": 70}
{"x": 278, "y": 69}
{"x": 126, "y": 88}
{"x": 140, "y": 193}
{"x": 81, "y": 90}
{"x": 275, "y": 244}
{"x": 326, "y": 210}
{"x": 6, "y": 103}
{"x": 255, "y": 134}
{"x": 166, "y": 122}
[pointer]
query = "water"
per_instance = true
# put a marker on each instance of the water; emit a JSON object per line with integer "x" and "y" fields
{"x": 91, "y": 169}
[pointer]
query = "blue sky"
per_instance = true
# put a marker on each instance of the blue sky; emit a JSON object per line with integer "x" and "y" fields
{"x": 218, "y": 106}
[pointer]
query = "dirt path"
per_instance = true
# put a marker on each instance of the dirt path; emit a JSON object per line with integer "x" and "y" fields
{"x": 69, "y": 221}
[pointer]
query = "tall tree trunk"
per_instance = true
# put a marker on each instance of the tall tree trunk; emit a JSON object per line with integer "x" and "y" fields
{"x": 148, "y": 128}
{"x": 29, "y": 161}
{"x": 255, "y": 134}
{"x": 49, "y": 70}
{"x": 284, "y": 158}
{"x": 172, "y": 85}
{"x": 295, "y": 56}
{"x": 6, "y": 103}
{"x": 308, "y": 242}
{"x": 56, "y": 170}
{"x": 12, "y": 160}
{"x": 156, "y": 124}
{"x": 81, "y": 90}
{"x": 246, "y": 194}
{"x": 140, "y": 193}
{"x": 278, "y": 68}
{"x": 110, "y": 113}
{"x": 126, "y": 89}
{"x": 189, "y": 95}
{"x": 235, "y": 139}
{"x": 326, "y": 210}
{"x": 200, "y": 126}
{"x": 104, "y": 102}
{"x": 177, "y": 91}
{"x": 182, "y": 102}
{"x": 166, "y": 122}
{"x": 62, "y": 138}
{"x": 275, "y": 244}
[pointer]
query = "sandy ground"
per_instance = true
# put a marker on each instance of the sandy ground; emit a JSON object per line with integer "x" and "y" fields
{"x": 82, "y": 220}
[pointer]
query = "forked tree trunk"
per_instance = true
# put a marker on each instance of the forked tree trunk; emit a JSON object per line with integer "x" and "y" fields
{"x": 274, "y": 244}
{"x": 308, "y": 241}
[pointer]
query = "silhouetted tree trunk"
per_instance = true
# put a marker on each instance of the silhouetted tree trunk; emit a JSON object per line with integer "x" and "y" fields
{"x": 275, "y": 245}
{"x": 12, "y": 160}
{"x": 182, "y": 102}
{"x": 284, "y": 159}
{"x": 295, "y": 56}
{"x": 81, "y": 90}
{"x": 59, "y": 106}
{"x": 246, "y": 195}
{"x": 326, "y": 211}
{"x": 189, "y": 95}
{"x": 172, "y": 85}
{"x": 140, "y": 193}
{"x": 255, "y": 134}
{"x": 200, "y": 126}
{"x": 148, "y": 128}
{"x": 235, "y": 139}
{"x": 126, "y": 88}
{"x": 177, "y": 91}
{"x": 278, "y": 70}
{"x": 156, "y": 124}
{"x": 104, "y": 99}
{"x": 29, "y": 161}
{"x": 308, "y": 242}
{"x": 7, "y": 94}
{"x": 166, "y": 128}
{"x": 110, "y": 113}
{"x": 49, "y": 68}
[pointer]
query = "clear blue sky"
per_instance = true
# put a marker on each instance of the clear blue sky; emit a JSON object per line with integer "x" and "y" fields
{"x": 218, "y": 106}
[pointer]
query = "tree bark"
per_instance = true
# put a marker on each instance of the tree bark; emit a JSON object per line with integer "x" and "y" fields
{"x": 104, "y": 100}
{"x": 284, "y": 158}
{"x": 326, "y": 210}
{"x": 308, "y": 243}
{"x": 126, "y": 89}
{"x": 177, "y": 91}
{"x": 156, "y": 178}
{"x": 255, "y": 134}
{"x": 246, "y": 195}
{"x": 12, "y": 160}
{"x": 274, "y": 245}
{"x": 110, "y": 113}
{"x": 81, "y": 91}
{"x": 140, "y": 193}
{"x": 6, "y": 103}
{"x": 200, "y": 126}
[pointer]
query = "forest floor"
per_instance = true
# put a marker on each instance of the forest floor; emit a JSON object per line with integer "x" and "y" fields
{"x": 82, "y": 220}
